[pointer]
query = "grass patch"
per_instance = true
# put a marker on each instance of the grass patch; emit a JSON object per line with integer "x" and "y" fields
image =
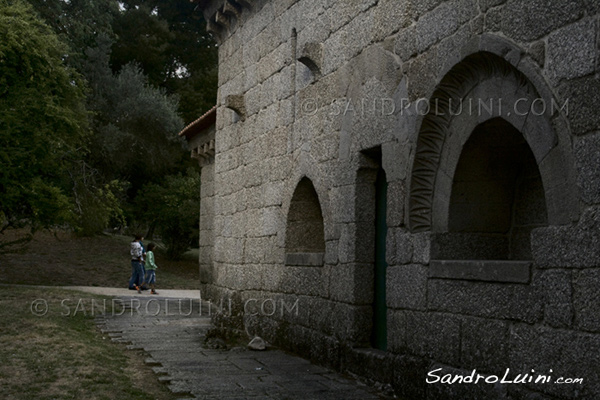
{"x": 55, "y": 356}
{"x": 59, "y": 258}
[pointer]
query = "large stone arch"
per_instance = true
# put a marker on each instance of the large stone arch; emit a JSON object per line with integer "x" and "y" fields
{"x": 445, "y": 129}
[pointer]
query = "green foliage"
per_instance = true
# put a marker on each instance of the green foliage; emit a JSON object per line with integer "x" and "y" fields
{"x": 78, "y": 23}
{"x": 174, "y": 207}
{"x": 43, "y": 121}
{"x": 167, "y": 38}
{"x": 99, "y": 207}
{"x": 49, "y": 205}
{"x": 90, "y": 106}
{"x": 143, "y": 38}
{"x": 136, "y": 129}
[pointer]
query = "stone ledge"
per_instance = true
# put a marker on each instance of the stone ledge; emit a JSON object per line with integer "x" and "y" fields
{"x": 371, "y": 363}
{"x": 305, "y": 259}
{"x": 482, "y": 270}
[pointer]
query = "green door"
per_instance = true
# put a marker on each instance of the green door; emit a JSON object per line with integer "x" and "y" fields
{"x": 379, "y": 304}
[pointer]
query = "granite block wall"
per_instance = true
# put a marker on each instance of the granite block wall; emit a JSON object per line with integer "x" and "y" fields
{"x": 328, "y": 92}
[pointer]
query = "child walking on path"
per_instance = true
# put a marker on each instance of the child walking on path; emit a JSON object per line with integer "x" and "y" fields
{"x": 150, "y": 276}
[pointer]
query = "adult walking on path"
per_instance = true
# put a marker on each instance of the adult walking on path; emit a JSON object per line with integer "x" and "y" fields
{"x": 137, "y": 269}
{"x": 172, "y": 330}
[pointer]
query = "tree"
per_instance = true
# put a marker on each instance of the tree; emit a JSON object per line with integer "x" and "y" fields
{"x": 137, "y": 59}
{"x": 135, "y": 124}
{"x": 143, "y": 38}
{"x": 174, "y": 207}
{"x": 78, "y": 23}
{"x": 167, "y": 38}
{"x": 43, "y": 120}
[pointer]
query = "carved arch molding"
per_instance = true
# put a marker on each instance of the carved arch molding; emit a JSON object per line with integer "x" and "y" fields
{"x": 482, "y": 75}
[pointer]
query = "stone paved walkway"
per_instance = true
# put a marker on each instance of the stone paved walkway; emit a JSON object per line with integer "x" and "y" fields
{"x": 172, "y": 332}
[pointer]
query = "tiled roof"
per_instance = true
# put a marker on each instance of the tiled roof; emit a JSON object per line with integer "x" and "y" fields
{"x": 201, "y": 124}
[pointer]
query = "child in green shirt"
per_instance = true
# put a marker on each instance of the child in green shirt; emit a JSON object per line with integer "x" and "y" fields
{"x": 151, "y": 267}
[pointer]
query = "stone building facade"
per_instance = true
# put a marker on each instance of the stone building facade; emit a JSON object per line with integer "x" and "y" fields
{"x": 404, "y": 189}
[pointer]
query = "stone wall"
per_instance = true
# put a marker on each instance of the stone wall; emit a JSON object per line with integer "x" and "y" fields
{"x": 331, "y": 91}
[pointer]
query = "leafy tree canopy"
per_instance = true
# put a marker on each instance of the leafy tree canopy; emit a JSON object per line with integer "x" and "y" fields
{"x": 91, "y": 100}
{"x": 78, "y": 23}
{"x": 174, "y": 207}
{"x": 167, "y": 39}
{"x": 140, "y": 141}
{"x": 43, "y": 121}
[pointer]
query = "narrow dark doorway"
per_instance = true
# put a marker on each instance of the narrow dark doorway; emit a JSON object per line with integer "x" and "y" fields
{"x": 379, "y": 338}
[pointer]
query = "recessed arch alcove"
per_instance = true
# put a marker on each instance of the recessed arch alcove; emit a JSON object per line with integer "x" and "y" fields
{"x": 497, "y": 196}
{"x": 305, "y": 233}
{"x": 484, "y": 177}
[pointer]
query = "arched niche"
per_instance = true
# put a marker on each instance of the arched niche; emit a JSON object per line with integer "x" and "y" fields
{"x": 485, "y": 156}
{"x": 305, "y": 234}
{"x": 459, "y": 104}
{"x": 497, "y": 197}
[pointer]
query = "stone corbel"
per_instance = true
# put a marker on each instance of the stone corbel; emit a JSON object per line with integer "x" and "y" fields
{"x": 311, "y": 55}
{"x": 229, "y": 8}
{"x": 236, "y": 103}
{"x": 204, "y": 153}
{"x": 222, "y": 19}
{"x": 209, "y": 148}
{"x": 213, "y": 28}
{"x": 245, "y": 3}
